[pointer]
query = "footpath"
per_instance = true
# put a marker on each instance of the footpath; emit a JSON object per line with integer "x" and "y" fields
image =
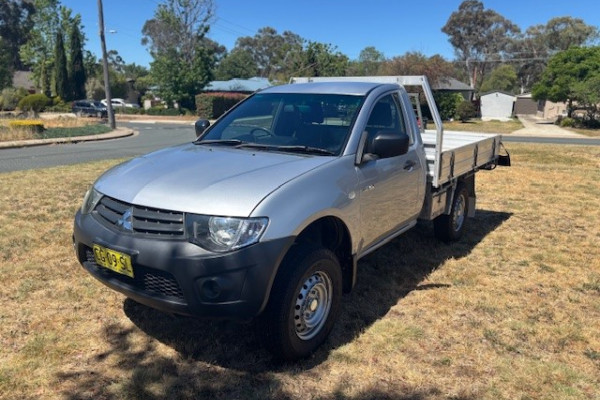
{"x": 537, "y": 127}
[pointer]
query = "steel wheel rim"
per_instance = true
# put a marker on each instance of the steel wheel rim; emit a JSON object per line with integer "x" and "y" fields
{"x": 313, "y": 303}
{"x": 458, "y": 217}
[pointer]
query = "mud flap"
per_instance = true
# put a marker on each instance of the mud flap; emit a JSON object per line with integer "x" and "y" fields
{"x": 504, "y": 159}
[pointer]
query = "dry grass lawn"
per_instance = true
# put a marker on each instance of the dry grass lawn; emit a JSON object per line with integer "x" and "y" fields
{"x": 477, "y": 125}
{"x": 510, "y": 312}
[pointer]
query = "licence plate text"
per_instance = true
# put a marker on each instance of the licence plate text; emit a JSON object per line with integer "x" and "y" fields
{"x": 113, "y": 260}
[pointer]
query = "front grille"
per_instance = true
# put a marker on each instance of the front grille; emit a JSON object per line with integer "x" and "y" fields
{"x": 150, "y": 281}
{"x": 147, "y": 221}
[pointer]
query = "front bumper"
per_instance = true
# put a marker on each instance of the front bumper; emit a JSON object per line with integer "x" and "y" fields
{"x": 179, "y": 277}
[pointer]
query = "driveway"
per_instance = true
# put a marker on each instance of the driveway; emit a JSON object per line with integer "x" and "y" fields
{"x": 534, "y": 126}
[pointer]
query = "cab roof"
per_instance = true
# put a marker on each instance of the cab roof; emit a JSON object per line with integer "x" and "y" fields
{"x": 345, "y": 88}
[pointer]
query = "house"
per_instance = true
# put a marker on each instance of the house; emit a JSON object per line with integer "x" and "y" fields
{"x": 245, "y": 86}
{"x": 550, "y": 110}
{"x": 24, "y": 79}
{"x": 545, "y": 109}
{"x": 453, "y": 85}
{"x": 497, "y": 105}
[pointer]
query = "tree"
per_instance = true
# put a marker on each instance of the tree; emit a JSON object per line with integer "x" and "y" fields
{"x": 179, "y": 81}
{"x": 503, "y": 78}
{"x": 115, "y": 61}
{"x": 38, "y": 51}
{"x": 183, "y": 59}
{"x": 368, "y": 63}
{"x": 77, "y": 75}
{"x": 6, "y": 68}
{"x": 321, "y": 59}
{"x": 275, "y": 55}
{"x": 532, "y": 50}
{"x": 436, "y": 68}
{"x": 571, "y": 76}
{"x": 565, "y": 32}
{"x": 237, "y": 64}
{"x": 15, "y": 25}
{"x": 587, "y": 94}
{"x": 479, "y": 37}
{"x": 61, "y": 77}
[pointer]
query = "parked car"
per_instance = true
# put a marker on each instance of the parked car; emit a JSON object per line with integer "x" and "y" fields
{"x": 90, "y": 108}
{"x": 116, "y": 102}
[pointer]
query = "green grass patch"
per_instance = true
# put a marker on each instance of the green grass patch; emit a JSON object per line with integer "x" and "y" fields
{"x": 87, "y": 130}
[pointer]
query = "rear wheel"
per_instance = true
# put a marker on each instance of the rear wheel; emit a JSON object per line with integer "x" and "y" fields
{"x": 450, "y": 227}
{"x": 304, "y": 303}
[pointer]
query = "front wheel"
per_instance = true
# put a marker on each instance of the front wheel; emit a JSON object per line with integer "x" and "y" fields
{"x": 304, "y": 303}
{"x": 450, "y": 227}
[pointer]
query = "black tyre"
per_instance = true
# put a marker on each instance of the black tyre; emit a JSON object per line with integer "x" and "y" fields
{"x": 450, "y": 227}
{"x": 304, "y": 303}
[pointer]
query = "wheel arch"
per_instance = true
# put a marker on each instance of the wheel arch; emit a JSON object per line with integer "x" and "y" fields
{"x": 331, "y": 233}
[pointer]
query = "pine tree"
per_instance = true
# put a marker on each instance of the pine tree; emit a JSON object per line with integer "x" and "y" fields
{"x": 77, "y": 75}
{"x": 60, "y": 69}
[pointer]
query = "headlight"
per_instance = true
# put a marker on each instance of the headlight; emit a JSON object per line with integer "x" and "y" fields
{"x": 90, "y": 200}
{"x": 222, "y": 234}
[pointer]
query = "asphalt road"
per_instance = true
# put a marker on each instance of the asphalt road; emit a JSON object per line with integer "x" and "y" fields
{"x": 151, "y": 137}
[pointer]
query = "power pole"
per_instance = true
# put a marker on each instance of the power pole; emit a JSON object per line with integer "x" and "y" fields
{"x": 111, "y": 114}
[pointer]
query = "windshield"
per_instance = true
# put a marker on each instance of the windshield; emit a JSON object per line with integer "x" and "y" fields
{"x": 288, "y": 122}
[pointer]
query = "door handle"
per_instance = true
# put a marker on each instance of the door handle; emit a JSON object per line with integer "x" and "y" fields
{"x": 408, "y": 166}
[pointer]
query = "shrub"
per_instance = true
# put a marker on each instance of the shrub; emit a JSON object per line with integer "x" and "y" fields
{"x": 30, "y": 125}
{"x": 447, "y": 104}
{"x": 465, "y": 111}
{"x": 591, "y": 123}
{"x": 163, "y": 111}
{"x": 567, "y": 122}
{"x": 58, "y": 105}
{"x": 129, "y": 110}
{"x": 34, "y": 102}
{"x": 213, "y": 105}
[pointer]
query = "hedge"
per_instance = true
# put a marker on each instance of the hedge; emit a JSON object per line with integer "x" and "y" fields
{"x": 163, "y": 111}
{"x": 34, "y": 102}
{"x": 213, "y": 105}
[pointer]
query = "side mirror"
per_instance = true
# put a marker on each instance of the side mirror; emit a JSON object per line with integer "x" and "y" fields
{"x": 200, "y": 126}
{"x": 388, "y": 144}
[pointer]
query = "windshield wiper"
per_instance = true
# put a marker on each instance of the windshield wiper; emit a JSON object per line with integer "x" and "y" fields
{"x": 305, "y": 149}
{"x": 248, "y": 145}
{"x": 224, "y": 142}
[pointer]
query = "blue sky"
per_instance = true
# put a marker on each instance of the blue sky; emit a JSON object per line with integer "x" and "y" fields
{"x": 392, "y": 26}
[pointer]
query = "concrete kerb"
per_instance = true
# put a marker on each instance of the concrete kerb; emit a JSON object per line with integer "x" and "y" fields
{"x": 115, "y": 134}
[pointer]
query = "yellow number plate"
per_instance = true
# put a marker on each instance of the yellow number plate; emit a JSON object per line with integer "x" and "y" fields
{"x": 113, "y": 260}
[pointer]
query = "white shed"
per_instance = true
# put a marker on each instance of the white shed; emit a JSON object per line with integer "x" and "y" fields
{"x": 497, "y": 105}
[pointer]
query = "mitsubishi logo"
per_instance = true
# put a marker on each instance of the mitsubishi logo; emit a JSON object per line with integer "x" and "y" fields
{"x": 126, "y": 220}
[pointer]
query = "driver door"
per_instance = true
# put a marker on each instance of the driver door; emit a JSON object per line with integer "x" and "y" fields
{"x": 389, "y": 187}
